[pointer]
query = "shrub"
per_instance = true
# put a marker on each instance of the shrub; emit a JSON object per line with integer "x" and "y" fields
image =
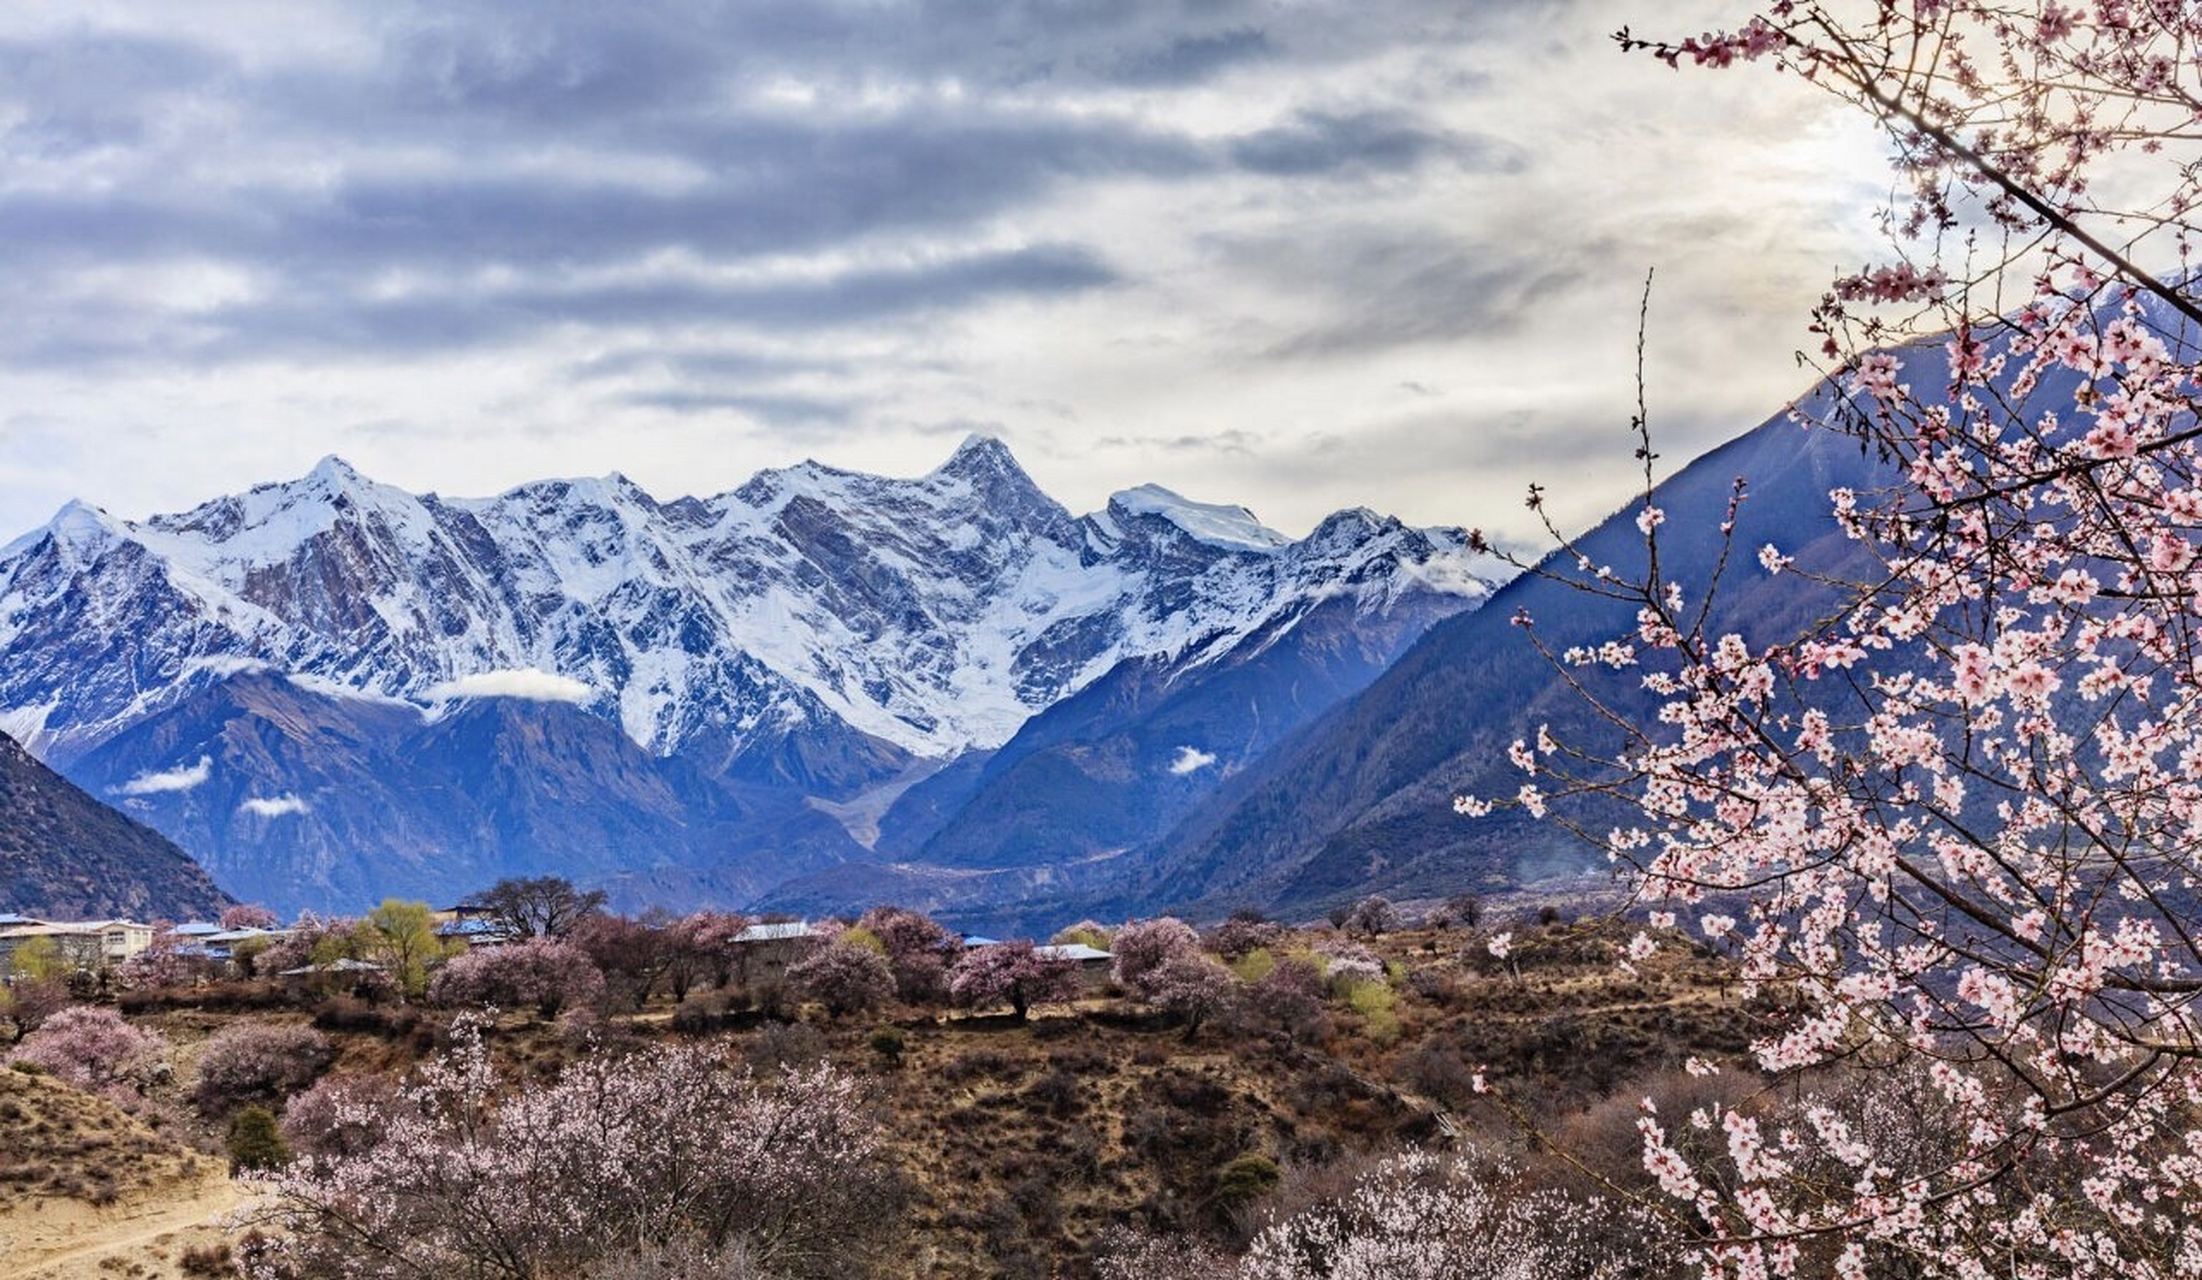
{"x": 258, "y": 1062}
{"x": 785, "y": 1046}
{"x": 1290, "y": 998}
{"x": 254, "y": 1142}
{"x": 213, "y": 1259}
{"x": 1245, "y": 1180}
{"x": 541, "y": 972}
{"x": 844, "y": 976}
{"x": 889, "y": 1044}
{"x": 1254, "y": 965}
{"x": 1376, "y": 1002}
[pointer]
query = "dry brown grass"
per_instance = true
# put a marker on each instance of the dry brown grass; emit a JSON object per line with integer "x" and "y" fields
{"x": 62, "y": 1143}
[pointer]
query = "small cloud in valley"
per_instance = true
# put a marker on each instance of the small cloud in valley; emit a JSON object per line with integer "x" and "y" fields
{"x": 282, "y": 806}
{"x": 526, "y": 684}
{"x": 1191, "y": 760}
{"x": 164, "y": 781}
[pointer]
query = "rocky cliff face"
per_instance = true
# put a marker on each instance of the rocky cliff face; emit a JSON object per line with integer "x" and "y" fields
{"x": 65, "y": 855}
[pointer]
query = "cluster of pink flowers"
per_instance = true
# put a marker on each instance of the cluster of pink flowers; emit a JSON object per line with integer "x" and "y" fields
{"x": 667, "y": 1144}
{"x": 1964, "y": 814}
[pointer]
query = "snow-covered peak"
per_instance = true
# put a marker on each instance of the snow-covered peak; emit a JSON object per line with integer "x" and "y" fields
{"x": 79, "y": 530}
{"x": 1232, "y": 528}
{"x": 925, "y": 615}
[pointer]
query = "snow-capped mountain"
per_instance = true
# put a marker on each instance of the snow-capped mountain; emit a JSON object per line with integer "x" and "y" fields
{"x": 934, "y": 614}
{"x": 815, "y": 632}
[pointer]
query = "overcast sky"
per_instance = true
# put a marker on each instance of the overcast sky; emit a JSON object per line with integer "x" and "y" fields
{"x": 1297, "y": 255}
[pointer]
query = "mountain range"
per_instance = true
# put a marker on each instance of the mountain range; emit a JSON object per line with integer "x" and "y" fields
{"x": 816, "y": 685}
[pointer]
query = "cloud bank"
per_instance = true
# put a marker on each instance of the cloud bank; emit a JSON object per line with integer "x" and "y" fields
{"x": 1300, "y": 257}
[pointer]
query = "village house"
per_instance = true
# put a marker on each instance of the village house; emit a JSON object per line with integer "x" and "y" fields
{"x": 1093, "y": 964}
{"x": 766, "y": 950}
{"x": 84, "y": 944}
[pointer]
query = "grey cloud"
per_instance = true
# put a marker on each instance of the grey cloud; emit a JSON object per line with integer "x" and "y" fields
{"x": 85, "y": 90}
{"x": 443, "y": 322}
{"x": 1391, "y": 286}
{"x": 1323, "y": 143}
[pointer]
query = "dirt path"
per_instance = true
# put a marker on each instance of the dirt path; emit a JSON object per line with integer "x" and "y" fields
{"x": 61, "y": 1240}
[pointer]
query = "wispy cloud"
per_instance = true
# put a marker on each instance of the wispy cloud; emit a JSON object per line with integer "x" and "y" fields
{"x": 162, "y": 781}
{"x": 282, "y": 806}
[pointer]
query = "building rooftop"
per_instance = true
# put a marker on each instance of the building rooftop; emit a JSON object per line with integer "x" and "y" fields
{"x": 1071, "y": 951}
{"x": 777, "y": 932}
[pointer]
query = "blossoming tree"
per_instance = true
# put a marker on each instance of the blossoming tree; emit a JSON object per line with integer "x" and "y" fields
{"x": 620, "y": 1154}
{"x": 1956, "y": 824}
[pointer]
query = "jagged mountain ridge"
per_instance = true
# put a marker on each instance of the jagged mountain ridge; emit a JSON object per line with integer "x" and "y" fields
{"x": 808, "y": 639}
{"x": 925, "y": 617}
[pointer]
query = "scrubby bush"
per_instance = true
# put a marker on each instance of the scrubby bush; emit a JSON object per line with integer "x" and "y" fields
{"x": 1246, "y": 1179}
{"x": 844, "y": 976}
{"x": 890, "y": 1044}
{"x": 1289, "y": 998}
{"x": 542, "y": 972}
{"x": 254, "y": 1143}
{"x": 1377, "y": 1003}
{"x": 255, "y": 1062}
{"x": 212, "y": 1259}
{"x": 94, "y": 1049}
{"x": 785, "y": 1046}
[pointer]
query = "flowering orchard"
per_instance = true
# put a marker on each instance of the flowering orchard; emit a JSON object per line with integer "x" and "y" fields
{"x": 667, "y": 1146}
{"x": 1956, "y": 826}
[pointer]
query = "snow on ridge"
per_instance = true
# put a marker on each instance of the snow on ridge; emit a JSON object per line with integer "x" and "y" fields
{"x": 1232, "y": 528}
{"x": 907, "y": 608}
